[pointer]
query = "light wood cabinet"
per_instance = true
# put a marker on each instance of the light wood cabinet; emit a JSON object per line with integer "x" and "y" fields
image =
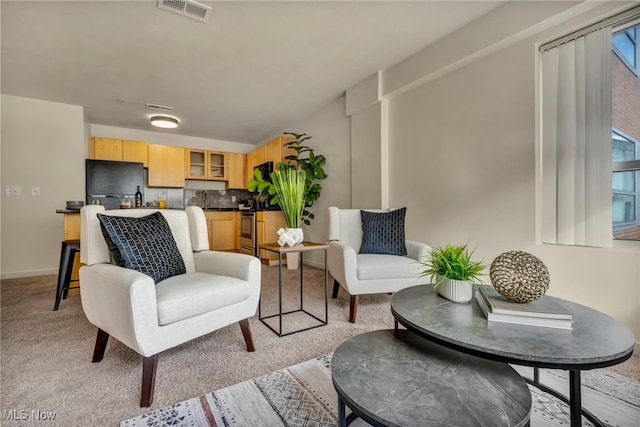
{"x": 195, "y": 163}
{"x": 218, "y": 170}
{"x": 71, "y": 224}
{"x": 267, "y": 225}
{"x": 273, "y": 151}
{"x": 206, "y": 165}
{"x": 235, "y": 169}
{"x": 166, "y": 166}
{"x": 223, "y": 231}
{"x": 122, "y": 150}
{"x": 105, "y": 149}
{"x": 251, "y": 160}
{"x": 135, "y": 151}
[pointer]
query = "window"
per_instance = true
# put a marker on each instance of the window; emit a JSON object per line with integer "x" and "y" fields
{"x": 626, "y": 46}
{"x": 590, "y": 134}
{"x": 625, "y": 136}
{"x": 625, "y": 184}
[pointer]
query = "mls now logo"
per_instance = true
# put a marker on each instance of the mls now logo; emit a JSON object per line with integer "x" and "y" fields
{"x": 15, "y": 415}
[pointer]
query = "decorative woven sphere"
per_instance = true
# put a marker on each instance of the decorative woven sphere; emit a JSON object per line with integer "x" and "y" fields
{"x": 519, "y": 276}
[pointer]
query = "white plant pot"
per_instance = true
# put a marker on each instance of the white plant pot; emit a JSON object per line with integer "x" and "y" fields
{"x": 293, "y": 260}
{"x": 456, "y": 290}
{"x": 290, "y": 236}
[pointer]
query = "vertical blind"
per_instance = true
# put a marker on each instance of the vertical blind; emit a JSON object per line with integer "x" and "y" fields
{"x": 576, "y": 141}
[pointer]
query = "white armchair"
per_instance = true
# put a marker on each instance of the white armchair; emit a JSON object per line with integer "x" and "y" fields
{"x": 218, "y": 289}
{"x": 361, "y": 274}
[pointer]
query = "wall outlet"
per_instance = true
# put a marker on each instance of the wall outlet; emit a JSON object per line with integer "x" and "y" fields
{"x": 35, "y": 191}
{"x": 233, "y": 198}
{"x": 13, "y": 190}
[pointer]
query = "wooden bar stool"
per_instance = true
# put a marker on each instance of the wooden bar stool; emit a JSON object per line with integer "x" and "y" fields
{"x": 67, "y": 256}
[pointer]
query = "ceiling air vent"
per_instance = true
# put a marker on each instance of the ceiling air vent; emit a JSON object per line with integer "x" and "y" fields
{"x": 157, "y": 107}
{"x": 188, "y": 8}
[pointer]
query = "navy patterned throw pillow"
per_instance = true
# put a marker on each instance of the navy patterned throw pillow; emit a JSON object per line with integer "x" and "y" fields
{"x": 383, "y": 232}
{"x": 143, "y": 244}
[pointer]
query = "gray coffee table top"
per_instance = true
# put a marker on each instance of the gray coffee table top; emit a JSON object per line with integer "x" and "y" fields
{"x": 597, "y": 340}
{"x": 405, "y": 380}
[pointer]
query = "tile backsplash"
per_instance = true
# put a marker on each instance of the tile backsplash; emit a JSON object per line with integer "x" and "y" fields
{"x": 182, "y": 197}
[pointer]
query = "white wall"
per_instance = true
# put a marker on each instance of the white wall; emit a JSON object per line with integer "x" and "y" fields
{"x": 462, "y": 159}
{"x": 169, "y": 138}
{"x": 330, "y": 131}
{"x": 43, "y": 145}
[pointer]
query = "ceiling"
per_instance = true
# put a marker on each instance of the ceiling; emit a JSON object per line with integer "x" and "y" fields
{"x": 249, "y": 72}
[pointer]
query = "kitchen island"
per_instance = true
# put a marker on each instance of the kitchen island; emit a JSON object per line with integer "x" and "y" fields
{"x": 71, "y": 226}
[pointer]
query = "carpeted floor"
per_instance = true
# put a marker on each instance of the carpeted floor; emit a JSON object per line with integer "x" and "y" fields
{"x": 303, "y": 396}
{"x": 46, "y": 355}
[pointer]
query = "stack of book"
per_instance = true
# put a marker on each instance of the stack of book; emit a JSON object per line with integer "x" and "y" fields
{"x": 542, "y": 312}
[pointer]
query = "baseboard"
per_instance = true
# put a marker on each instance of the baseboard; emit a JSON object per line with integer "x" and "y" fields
{"x": 22, "y": 274}
{"x": 319, "y": 265}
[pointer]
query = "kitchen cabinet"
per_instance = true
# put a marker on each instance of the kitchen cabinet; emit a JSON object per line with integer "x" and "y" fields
{"x": 135, "y": 151}
{"x": 206, "y": 165}
{"x": 267, "y": 225}
{"x": 217, "y": 170}
{"x": 235, "y": 170}
{"x": 196, "y": 164}
{"x": 251, "y": 160}
{"x": 118, "y": 150}
{"x": 223, "y": 231}
{"x": 71, "y": 224}
{"x": 273, "y": 151}
{"x": 166, "y": 166}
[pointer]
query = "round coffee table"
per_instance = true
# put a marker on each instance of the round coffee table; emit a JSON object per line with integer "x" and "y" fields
{"x": 404, "y": 380}
{"x": 596, "y": 341}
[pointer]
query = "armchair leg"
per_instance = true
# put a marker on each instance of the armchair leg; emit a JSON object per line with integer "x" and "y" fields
{"x": 336, "y": 288}
{"x": 149, "y": 365}
{"x": 353, "y": 308}
{"x": 246, "y": 333}
{"x": 101, "y": 345}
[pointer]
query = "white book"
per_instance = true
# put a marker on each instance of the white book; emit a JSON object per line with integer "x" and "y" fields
{"x": 544, "y": 307}
{"x": 522, "y": 319}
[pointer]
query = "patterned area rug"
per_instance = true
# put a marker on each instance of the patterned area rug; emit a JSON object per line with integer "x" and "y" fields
{"x": 303, "y": 395}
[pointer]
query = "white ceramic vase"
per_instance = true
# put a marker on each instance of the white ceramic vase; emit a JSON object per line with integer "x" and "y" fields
{"x": 456, "y": 290}
{"x": 293, "y": 260}
{"x": 290, "y": 236}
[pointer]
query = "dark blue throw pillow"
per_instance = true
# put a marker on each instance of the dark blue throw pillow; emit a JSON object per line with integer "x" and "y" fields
{"x": 383, "y": 232}
{"x": 143, "y": 244}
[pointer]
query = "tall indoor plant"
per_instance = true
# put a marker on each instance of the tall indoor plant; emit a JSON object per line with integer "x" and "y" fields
{"x": 304, "y": 160}
{"x": 288, "y": 186}
{"x": 452, "y": 271}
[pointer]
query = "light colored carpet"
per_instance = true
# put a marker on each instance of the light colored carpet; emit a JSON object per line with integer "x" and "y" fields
{"x": 303, "y": 396}
{"x": 46, "y": 355}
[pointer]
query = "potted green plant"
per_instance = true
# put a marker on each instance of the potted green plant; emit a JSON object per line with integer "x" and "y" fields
{"x": 452, "y": 271}
{"x": 306, "y": 161}
{"x": 312, "y": 164}
{"x": 288, "y": 191}
{"x": 288, "y": 188}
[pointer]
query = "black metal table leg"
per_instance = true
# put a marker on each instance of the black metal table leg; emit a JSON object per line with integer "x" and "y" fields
{"x": 574, "y": 401}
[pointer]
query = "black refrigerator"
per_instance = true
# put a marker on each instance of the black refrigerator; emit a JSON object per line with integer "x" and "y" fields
{"x": 111, "y": 183}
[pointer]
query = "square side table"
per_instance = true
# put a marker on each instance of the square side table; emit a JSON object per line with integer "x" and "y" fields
{"x": 301, "y": 248}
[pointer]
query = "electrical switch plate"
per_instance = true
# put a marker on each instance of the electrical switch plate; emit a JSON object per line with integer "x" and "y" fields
{"x": 233, "y": 198}
{"x": 13, "y": 190}
{"x": 35, "y": 191}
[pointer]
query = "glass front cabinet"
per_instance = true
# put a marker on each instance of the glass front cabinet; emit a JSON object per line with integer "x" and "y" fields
{"x": 206, "y": 165}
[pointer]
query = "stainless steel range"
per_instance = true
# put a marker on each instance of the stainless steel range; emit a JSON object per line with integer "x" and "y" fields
{"x": 248, "y": 233}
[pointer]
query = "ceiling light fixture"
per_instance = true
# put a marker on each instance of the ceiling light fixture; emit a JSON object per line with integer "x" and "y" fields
{"x": 166, "y": 122}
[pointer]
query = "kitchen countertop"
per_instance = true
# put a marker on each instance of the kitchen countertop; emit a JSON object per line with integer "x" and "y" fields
{"x": 72, "y": 211}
